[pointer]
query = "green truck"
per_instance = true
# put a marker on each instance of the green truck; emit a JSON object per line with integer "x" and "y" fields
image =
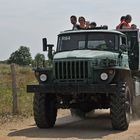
{"x": 91, "y": 69}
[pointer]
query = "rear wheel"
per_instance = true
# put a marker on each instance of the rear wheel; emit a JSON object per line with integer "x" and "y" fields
{"x": 120, "y": 108}
{"x": 45, "y": 110}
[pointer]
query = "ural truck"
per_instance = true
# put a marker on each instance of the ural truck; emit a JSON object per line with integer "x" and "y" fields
{"x": 90, "y": 69}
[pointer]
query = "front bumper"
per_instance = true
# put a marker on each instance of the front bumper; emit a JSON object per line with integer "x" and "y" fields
{"x": 73, "y": 88}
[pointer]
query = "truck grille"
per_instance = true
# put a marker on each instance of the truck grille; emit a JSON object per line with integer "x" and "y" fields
{"x": 71, "y": 70}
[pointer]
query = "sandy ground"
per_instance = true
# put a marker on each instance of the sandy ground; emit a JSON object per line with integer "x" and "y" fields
{"x": 97, "y": 127}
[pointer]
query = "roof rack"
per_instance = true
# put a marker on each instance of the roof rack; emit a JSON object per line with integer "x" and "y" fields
{"x": 104, "y": 27}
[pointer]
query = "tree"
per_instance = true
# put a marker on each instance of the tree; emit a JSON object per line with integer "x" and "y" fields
{"x": 22, "y": 56}
{"x": 39, "y": 59}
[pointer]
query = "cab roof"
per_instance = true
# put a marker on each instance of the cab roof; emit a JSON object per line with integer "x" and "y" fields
{"x": 90, "y": 31}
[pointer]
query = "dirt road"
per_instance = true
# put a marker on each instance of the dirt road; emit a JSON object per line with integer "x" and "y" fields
{"x": 96, "y": 127}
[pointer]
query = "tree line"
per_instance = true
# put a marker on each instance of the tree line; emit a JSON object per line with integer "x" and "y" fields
{"x": 23, "y": 57}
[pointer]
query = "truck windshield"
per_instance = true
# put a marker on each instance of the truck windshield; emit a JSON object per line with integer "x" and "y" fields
{"x": 94, "y": 41}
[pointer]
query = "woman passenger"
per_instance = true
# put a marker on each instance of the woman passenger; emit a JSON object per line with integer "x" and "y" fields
{"x": 82, "y": 22}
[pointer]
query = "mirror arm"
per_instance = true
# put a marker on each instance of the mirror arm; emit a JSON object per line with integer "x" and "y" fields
{"x": 50, "y": 54}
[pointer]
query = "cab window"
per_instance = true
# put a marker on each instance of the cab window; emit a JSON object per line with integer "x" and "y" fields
{"x": 123, "y": 40}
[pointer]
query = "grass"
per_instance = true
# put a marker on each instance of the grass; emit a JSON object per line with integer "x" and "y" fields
{"x": 24, "y": 76}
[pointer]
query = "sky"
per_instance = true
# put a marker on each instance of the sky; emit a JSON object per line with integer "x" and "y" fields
{"x": 26, "y": 22}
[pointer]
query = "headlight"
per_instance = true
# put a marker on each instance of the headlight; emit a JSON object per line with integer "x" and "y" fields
{"x": 43, "y": 77}
{"x": 104, "y": 76}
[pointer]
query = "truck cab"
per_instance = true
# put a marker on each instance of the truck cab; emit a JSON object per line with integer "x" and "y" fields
{"x": 91, "y": 69}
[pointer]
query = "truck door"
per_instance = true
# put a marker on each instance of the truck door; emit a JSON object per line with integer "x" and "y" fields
{"x": 133, "y": 42}
{"x": 133, "y": 51}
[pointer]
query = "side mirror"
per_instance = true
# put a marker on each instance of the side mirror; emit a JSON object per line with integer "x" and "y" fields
{"x": 44, "y": 41}
{"x": 48, "y": 47}
{"x": 50, "y": 54}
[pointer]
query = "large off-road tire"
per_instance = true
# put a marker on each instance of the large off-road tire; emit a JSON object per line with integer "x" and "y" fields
{"x": 45, "y": 110}
{"x": 120, "y": 108}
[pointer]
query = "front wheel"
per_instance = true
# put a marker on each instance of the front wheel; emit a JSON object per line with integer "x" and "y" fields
{"x": 45, "y": 110}
{"x": 120, "y": 108}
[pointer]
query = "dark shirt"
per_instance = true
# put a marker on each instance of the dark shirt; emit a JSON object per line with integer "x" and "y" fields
{"x": 76, "y": 27}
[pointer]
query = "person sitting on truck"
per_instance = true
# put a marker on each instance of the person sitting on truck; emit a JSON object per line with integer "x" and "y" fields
{"x": 87, "y": 24}
{"x": 134, "y": 26}
{"x": 93, "y": 25}
{"x": 82, "y": 22}
{"x": 73, "y": 20}
{"x": 126, "y": 23}
{"x": 122, "y": 19}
